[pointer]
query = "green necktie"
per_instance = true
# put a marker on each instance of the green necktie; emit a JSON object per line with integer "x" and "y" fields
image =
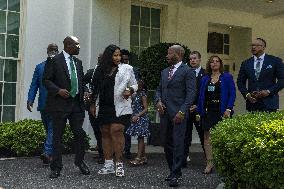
{"x": 74, "y": 81}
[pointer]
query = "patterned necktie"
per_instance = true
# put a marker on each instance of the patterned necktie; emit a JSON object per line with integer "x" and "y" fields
{"x": 194, "y": 71}
{"x": 257, "y": 68}
{"x": 171, "y": 72}
{"x": 73, "y": 77}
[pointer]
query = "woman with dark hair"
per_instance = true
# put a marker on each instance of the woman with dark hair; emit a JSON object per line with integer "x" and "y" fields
{"x": 113, "y": 84}
{"x": 216, "y": 101}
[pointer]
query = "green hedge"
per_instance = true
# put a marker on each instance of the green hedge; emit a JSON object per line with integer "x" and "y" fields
{"x": 153, "y": 60}
{"x": 26, "y": 138}
{"x": 248, "y": 150}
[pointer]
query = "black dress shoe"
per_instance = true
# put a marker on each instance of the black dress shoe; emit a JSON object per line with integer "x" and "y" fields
{"x": 184, "y": 165}
{"x": 54, "y": 174}
{"x": 83, "y": 168}
{"x": 173, "y": 182}
{"x": 169, "y": 177}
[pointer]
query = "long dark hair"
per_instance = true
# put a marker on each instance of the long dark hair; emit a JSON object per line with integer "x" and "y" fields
{"x": 106, "y": 61}
{"x": 208, "y": 67}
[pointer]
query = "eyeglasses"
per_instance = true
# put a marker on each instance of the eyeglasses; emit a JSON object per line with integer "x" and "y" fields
{"x": 256, "y": 45}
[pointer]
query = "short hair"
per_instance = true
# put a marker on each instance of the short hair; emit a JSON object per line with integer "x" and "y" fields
{"x": 124, "y": 52}
{"x": 208, "y": 67}
{"x": 197, "y": 53}
{"x": 69, "y": 40}
{"x": 263, "y": 41}
{"x": 178, "y": 49}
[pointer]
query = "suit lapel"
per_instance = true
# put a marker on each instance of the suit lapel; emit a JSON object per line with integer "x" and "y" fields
{"x": 166, "y": 75}
{"x": 176, "y": 72}
{"x": 62, "y": 59}
{"x": 251, "y": 68}
{"x": 264, "y": 65}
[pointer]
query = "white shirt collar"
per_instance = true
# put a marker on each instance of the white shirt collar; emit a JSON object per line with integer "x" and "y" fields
{"x": 66, "y": 55}
{"x": 197, "y": 70}
{"x": 177, "y": 64}
{"x": 261, "y": 57}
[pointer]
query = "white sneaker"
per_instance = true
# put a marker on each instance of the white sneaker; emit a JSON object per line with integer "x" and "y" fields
{"x": 119, "y": 171}
{"x": 107, "y": 169}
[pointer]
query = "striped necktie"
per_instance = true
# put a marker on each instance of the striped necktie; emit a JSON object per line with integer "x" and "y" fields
{"x": 171, "y": 72}
{"x": 73, "y": 78}
{"x": 257, "y": 68}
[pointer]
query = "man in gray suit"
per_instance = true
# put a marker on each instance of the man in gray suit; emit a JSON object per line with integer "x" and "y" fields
{"x": 174, "y": 95}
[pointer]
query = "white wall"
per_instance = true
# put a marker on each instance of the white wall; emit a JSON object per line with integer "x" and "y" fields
{"x": 44, "y": 22}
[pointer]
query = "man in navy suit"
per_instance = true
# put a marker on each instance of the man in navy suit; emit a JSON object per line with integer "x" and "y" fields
{"x": 35, "y": 86}
{"x": 194, "y": 62}
{"x": 265, "y": 76}
{"x": 174, "y": 95}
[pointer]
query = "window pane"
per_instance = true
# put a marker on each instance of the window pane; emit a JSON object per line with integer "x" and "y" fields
{"x": 155, "y": 18}
{"x": 1, "y": 71}
{"x": 10, "y": 73}
{"x": 144, "y": 37}
{"x": 2, "y": 21}
{"x": 8, "y": 113}
{"x": 2, "y": 45}
{"x": 135, "y": 15}
{"x": 226, "y": 39}
{"x": 155, "y": 36}
{"x": 134, "y": 35}
{"x": 13, "y": 23}
{"x": 145, "y": 16}
{"x": 9, "y": 94}
{"x": 226, "y": 49}
{"x": 1, "y": 89}
{"x": 14, "y": 5}
{"x": 3, "y": 4}
{"x": 12, "y": 46}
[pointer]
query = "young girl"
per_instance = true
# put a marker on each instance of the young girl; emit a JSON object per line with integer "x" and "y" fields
{"x": 140, "y": 123}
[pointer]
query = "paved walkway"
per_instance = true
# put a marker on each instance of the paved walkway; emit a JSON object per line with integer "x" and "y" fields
{"x": 30, "y": 173}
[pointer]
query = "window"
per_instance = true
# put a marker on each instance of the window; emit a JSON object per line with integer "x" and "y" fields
{"x": 9, "y": 51}
{"x": 218, "y": 43}
{"x": 144, "y": 28}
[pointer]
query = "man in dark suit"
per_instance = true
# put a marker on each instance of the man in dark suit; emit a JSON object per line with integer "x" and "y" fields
{"x": 194, "y": 62}
{"x": 63, "y": 79}
{"x": 88, "y": 79}
{"x": 265, "y": 76}
{"x": 174, "y": 95}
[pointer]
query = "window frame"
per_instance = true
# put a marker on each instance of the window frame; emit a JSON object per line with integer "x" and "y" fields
{"x": 17, "y": 60}
{"x": 150, "y": 6}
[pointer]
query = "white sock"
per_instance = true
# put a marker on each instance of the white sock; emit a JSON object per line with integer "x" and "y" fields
{"x": 109, "y": 162}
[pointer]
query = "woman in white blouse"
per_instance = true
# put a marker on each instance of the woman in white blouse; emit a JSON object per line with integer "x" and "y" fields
{"x": 113, "y": 83}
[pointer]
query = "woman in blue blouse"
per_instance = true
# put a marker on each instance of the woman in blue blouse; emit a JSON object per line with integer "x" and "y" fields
{"x": 216, "y": 101}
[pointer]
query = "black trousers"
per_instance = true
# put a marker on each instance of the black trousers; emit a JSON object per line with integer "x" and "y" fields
{"x": 97, "y": 132}
{"x": 127, "y": 138}
{"x": 188, "y": 134}
{"x": 173, "y": 143}
{"x": 259, "y": 107}
{"x": 76, "y": 118}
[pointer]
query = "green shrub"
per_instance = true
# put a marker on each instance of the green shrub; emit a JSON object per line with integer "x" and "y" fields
{"x": 249, "y": 150}
{"x": 153, "y": 60}
{"x": 26, "y": 137}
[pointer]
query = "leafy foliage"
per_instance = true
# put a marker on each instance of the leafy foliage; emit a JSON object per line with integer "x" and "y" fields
{"x": 152, "y": 61}
{"x": 26, "y": 137}
{"x": 249, "y": 150}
